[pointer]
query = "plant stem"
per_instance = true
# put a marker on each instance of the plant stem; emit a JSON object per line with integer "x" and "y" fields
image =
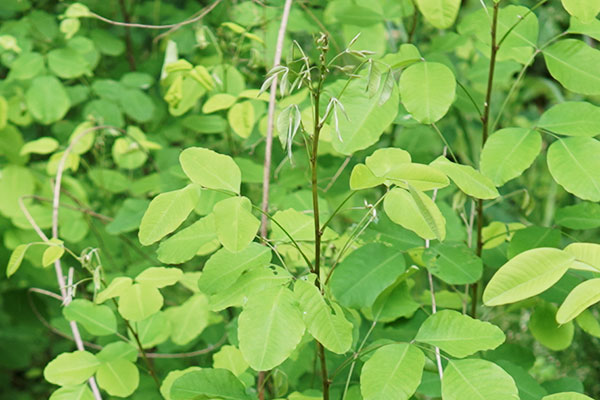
{"x": 484, "y": 135}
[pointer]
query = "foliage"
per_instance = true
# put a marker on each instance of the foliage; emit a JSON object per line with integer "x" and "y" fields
{"x": 427, "y": 228}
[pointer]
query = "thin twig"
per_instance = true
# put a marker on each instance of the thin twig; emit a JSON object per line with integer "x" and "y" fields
{"x": 337, "y": 174}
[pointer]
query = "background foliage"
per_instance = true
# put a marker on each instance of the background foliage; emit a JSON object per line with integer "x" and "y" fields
{"x": 116, "y": 106}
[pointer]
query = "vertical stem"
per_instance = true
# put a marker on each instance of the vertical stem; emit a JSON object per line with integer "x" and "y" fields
{"x": 128, "y": 43}
{"x": 269, "y": 150}
{"x": 484, "y": 135}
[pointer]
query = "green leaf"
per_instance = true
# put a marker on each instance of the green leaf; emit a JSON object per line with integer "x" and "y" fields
{"x": 16, "y": 258}
{"x": 119, "y": 377}
{"x": 128, "y": 217}
{"x": 137, "y": 105}
{"x": 184, "y": 245}
{"x": 575, "y": 165}
{"x": 189, "y": 319}
{"x": 393, "y": 372}
{"x": 269, "y": 328}
{"x": 43, "y": 145}
{"x": 587, "y": 253}
{"x": 167, "y": 383}
{"x": 208, "y": 384}
{"x": 159, "y": 277}
{"x": 459, "y": 335}
{"x": 440, "y": 14}
{"x": 572, "y": 118}
{"x": 298, "y": 225}
{"x": 588, "y": 323}
{"x": 210, "y": 169}
{"x": 117, "y": 287}
{"x": 70, "y": 369}
{"x": 54, "y": 252}
{"x": 110, "y": 180}
{"x": 79, "y": 392}
{"x": 241, "y": 119}
{"x": 421, "y": 176}
{"x": 333, "y": 331}
{"x": 96, "y": 319}
{"x": 367, "y": 118}
{"x": 153, "y": 330}
{"x": 166, "y": 212}
{"x": 468, "y": 179}
{"x": 224, "y": 267}
{"x": 567, "y": 396}
{"x": 584, "y": 10}
{"x": 472, "y": 379}
{"x": 547, "y": 331}
{"x": 582, "y": 297}
{"x": 527, "y": 275}
{"x": 236, "y": 226}
{"x": 362, "y": 178}
{"x": 47, "y": 100}
{"x": 15, "y": 182}
{"x": 365, "y": 273}
{"x": 230, "y": 358}
{"x": 509, "y": 152}
{"x": 387, "y": 160}
{"x": 571, "y": 62}
{"x": 427, "y": 90}
{"x": 424, "y": 218}
{"x": 529, "y": 388}
{"x": 67, "y": 63}
{"x": 220, "y": 101}
{"x": 139, "y": 302}
{"x": 584, "y": 215}
{"x": 455, "y": 264}
{"x": 118, "y": 350}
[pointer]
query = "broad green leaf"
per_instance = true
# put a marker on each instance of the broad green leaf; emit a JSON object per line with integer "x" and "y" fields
{"x": 333, "y": 331}
{"x": 587, "y": 253}
{"x": 366, "y": 118}
{"x": 117, "y": 287}
{"x": 580, "y": 298}
{"x": 420, "y": 176}
{"x": 241, "y": 119}
{"x": 570, "y": 62}
{"x": 567, "y": 396}
{"x": 439, "y": 13}
{"x": 572, "y": 118}
{"x": 365, "y": 273}
{"x": 468, "y": 179}
{"x": 70, "y": 369}
{"x": 15, "y": 182}
{"x": 533, "y": 237}
{"x": 79, "y": 392}
{"x": 109, "y": 180}
{"x": 153, "y": 330}
{"x": 584, "y": 215}
{"x": 96, "y": 319}
{"x": 16, "y": 259}
{"x": 159, "y": 277}
{"x": 393, "y": 372}
{"x": 27, "y": 66}
{"x": 584, "y": 10}
{"x": 477, "y": 380}
{"x": 54, "y": 252}
{"x": 139, "y": 302}
{"x": 387, "y": 160}
{"x": 509, "y": 152}
{"x": 575, "y": 165}
{"x": 427, "y": 90}
{"x": 394, "y": 302}
{"x": 47, "y": 100}
{"x": 43, "y": 145}
{"x": 526, "y": 275}
{"x": 137, "y": 105}
{"x": 118, "y": 350}
{"x": 455, "y": 264}
{"x": 189, "y": 319}
{"x": 208, "y": 384}
{"x": 231, "y": 358}
{"x": 67, "y": 63}
{"x": 235, "y": 224}
{"x": 423, "y": 218}
{"x": 224, "y": 267}
{"x": 220, "y": 101}
{"x": 529, "y": 388}
{"x": 184, "y": 245}
{"x": 128, "y": 216}
{"x": 211, "y": 170}
{"x": 119, "y": 377}
{"x": 269, "y": 328}
{"x": 253, "y": 281}
{"x": 166, "y": 212}
{"x": 362, "y": 178}
{"x": 459, "y": 335}
{"x": 167, "y": 383}
{"x": 298, "y": 225}
{"x": 589, "y": 323}
{"x": 547, "y": 331}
